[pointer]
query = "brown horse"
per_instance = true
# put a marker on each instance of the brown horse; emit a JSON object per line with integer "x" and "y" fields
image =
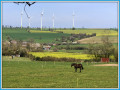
{"x": 77, "y": 66}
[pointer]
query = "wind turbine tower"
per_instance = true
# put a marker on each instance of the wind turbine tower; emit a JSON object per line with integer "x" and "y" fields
{"x": 73, "y": 19}
{"x": 41, "y": 19}
{"x": 53, "y": 20}
{"x": 21, "y": 18}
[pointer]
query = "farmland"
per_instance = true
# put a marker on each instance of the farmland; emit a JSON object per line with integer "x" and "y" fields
{"x": 24, "y": 73}
{"x": 99, "y": 32}
{"x": 62, "y": 55}
{"x": 59, "y": 45}
{"x": 97, "y": 39}
{"x": 49, "y": 37}
{"x": 79, "y": 56}
{"x": 18, "y": 34}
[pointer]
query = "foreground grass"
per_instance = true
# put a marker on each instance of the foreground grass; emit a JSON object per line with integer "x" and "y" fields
{"x": 23, "y": 73}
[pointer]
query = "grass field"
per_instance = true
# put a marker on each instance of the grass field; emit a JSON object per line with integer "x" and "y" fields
{"x": 23, "y": 73}
{"x": 97, "y": 39}
{"x": 44, "y": 37}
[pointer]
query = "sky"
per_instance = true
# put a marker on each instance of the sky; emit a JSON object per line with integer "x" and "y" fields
{"x": 87, "y": 14}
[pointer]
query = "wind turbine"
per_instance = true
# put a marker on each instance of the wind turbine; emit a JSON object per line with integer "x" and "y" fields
{"x": 41, "y": 19}
{"x": 21, "y": 18}
{"x": 73, "y": 19}
{"x": 53, "y": 20}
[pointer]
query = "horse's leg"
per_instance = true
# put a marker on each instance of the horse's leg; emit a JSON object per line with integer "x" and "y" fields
{"x": 75, "y": 69}
{"x": 80, "y": 69}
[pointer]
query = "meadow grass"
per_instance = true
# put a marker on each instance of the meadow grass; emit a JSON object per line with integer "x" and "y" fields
{"x": 40, "y": 74}
{"x": 97, "y": 39}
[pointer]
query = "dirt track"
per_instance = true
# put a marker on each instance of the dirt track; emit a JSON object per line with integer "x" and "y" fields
{"x": 106, "y": 65}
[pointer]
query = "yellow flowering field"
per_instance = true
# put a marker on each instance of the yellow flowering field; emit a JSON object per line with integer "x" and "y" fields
{"x": 62, "y": 55}
{"x": 38, "y": 31}
{"x": 90, "y": 31}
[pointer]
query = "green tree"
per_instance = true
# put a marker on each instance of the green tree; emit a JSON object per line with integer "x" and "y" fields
{"x": 105, "y": 49}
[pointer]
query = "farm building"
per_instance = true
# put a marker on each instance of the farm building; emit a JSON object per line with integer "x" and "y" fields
{"x": 14, "y": 42}
{"x": 46, "y": 47}
{"x": 104, "y": 59}
{"x": 35, "y": 45}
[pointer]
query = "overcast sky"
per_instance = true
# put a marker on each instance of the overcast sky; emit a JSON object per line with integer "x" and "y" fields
{"x": 87, "y": 14}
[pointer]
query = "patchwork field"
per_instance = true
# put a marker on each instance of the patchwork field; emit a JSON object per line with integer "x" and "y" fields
{"x": 49, "y": 37}
{"x": 24, "y": 73}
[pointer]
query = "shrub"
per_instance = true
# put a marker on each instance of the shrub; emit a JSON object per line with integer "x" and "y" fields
{"x": 37, "y": 58}
{"x": 23, "y": 52}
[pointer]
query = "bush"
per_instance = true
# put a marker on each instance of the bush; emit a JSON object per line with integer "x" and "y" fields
{"x": 23, "y": 52}
{"x": 37, "y": 58}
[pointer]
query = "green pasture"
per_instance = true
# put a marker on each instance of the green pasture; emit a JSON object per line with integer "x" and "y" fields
{"x": 24, "y": 73}
{"x": 23, "y": 34}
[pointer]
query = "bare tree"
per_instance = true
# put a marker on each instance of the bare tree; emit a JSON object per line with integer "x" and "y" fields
{"x": 26, "y": 3}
